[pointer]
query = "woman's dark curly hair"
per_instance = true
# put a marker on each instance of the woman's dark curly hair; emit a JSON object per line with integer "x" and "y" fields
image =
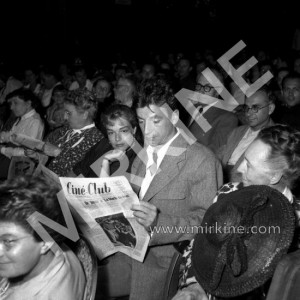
{"x": 83, "y": 100}
{"x": 24, "y": 195}
{"x": 284, "y": 156}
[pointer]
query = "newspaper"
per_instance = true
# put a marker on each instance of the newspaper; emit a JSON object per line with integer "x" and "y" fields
{"x": 36, "y": 145}
{"x": 28, "y": 141}
{"x": 101, "y": 207}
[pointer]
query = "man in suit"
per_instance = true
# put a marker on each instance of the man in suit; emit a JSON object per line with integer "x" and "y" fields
{"x": 258, "y": 109}
{"x": 176, "y": 183}
{"x": 222, "y": 122}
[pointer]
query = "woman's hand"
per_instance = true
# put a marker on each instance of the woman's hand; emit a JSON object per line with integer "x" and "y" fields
{"x": 4, "y": 137}
{"x": 111, "y": 156}
{"x": 31, "y": 153}
{"x": 114, "y": 155}
{"x": 191, "y": 292}
{"x": 51, "y": 150}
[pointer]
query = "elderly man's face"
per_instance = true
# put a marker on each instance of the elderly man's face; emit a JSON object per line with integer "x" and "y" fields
{"x": 20, "y": 253}
{"x": 254, "y": 168}
{"x": 260, "y": 101}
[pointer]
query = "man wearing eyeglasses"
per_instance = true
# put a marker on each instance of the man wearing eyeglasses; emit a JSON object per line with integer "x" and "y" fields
{"x": 222, "y": 122}
{"x": 258, "y": 109}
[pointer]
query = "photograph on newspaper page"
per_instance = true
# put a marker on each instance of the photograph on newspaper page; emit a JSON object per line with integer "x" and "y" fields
{"x": 101, "y": 207}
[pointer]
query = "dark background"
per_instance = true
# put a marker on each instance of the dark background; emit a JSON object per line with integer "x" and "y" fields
{"x": 61, "y": 29}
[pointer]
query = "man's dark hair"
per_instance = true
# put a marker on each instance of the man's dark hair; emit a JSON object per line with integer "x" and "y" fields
{"x": 26, "y": 95}
{"x": 156, "y": 91}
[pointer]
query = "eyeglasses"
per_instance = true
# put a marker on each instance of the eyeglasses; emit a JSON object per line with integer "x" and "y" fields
{"x": 206, "y": 88}
{"x": 10, "y": 243}
{"x": 254, "y": 108}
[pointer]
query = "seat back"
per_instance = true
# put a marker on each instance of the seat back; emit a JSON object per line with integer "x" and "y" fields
{"x": 87, "y": 256}
{"x": 285, "y": 283}
{"x": 20, "y": 165}
{"x": 171, "y": 285}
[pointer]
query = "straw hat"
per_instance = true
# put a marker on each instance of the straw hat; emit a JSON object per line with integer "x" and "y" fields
{"x": 244, "y": 235}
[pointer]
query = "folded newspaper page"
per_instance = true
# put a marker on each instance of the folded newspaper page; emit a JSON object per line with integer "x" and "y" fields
{"x": 37, "y": 145}
{"x": 28, "y": 142}
{"x": 101, "y": 207}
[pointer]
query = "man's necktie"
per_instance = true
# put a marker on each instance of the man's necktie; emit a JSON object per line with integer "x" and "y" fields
{"x": 153, "y": 167}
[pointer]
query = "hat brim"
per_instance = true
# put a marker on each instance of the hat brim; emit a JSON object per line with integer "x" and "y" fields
{"x": 264, "y": 250}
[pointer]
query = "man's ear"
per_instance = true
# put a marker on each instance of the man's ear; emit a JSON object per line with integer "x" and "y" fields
{"x": 175, "y": 117}
{"x": 271, "y": 108}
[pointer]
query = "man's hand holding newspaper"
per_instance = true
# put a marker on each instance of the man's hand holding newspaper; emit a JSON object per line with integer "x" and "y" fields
{"x": 105, "y": 210}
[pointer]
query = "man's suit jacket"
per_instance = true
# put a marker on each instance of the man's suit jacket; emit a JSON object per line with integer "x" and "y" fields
{"x": 182, "y": 190}
{"x": 224, "y": 153}
{"x": 222, "y": 123}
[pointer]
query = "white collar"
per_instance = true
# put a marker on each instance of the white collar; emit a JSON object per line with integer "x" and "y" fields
{"x": 161, "y": 151}
{"x": 28, "y": 114}
{"x": 288, "y": 194}
{"x": 84, "y": 128}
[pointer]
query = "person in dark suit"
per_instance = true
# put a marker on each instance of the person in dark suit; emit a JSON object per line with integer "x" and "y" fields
{"x": 222, "y": 122}
{"x": 176, "y": 182}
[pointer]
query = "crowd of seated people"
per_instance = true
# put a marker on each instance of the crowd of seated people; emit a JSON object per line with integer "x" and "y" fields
{"x": 101, "y": 124}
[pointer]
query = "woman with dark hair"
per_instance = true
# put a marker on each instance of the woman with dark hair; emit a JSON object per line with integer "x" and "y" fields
{"x": 272, "y": 160}
{"x": 29, "y": 269}
{"x": 121, "y": 125}
{"x": 67, "y": 145}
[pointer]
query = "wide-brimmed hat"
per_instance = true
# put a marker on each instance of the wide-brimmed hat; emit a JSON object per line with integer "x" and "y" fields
{"x": 243, "y": 236}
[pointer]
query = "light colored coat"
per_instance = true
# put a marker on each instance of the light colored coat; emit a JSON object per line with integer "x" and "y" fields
{"x": 182, "y": 191}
